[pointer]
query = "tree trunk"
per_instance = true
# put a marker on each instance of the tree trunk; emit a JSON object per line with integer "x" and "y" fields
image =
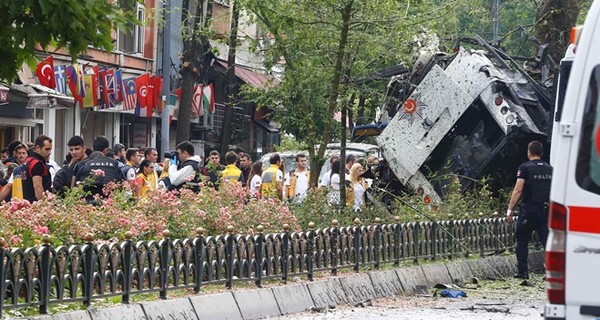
{"x": 231, "y": 79}
{"x": 555, "y": 18}
{"x": 335, "y": 86}
{"x": 195, "y": 61}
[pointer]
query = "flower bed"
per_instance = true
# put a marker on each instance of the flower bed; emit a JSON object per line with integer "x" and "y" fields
{"x": 68, "y": 219}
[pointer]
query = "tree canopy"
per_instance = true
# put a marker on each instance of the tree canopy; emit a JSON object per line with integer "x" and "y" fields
{"x": 70, "y": 24}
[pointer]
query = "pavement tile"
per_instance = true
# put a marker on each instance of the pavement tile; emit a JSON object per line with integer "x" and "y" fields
{"x": 122, "y": 312}
{"x": 170, "y": 309}
{"x": 326, "y": 293}
{"x": 436, "y": 273}
{"x": 358, "y": 287}
{"x": 216, "y": 306}
{"x": 411, "y": 277}
{"x": 386, "y": 283}
{"x": 73, "y": 315}
{"x": 293, "y": 298}
{"x": 257, "y": 304}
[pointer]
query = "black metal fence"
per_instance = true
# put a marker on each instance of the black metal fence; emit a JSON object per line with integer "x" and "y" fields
{"x": 45, "y": 275}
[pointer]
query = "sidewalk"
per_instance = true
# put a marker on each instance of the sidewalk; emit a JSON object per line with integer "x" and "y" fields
{"x": 249, "y": 304}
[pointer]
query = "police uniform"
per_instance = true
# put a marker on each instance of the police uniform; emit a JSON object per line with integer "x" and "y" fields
{"x": 110, "y": 172}
{"x": 533, "y": 213}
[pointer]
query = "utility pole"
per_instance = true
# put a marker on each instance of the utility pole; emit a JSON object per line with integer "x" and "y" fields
{"x": 495, "y": 21}
{"x": 166, "y": 73}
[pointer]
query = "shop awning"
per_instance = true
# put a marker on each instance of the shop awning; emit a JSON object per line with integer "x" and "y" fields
{"x": 40, "y": 97}
{"x": 253, "y": 78}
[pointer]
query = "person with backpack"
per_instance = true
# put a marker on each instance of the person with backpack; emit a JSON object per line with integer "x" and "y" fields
{"x": 36, "y": 175}
{"x": 14, "y": 187}
{"x": 129, "y": 169}
{"x": 187, "y": 172}
{"x": 63, "y": 177}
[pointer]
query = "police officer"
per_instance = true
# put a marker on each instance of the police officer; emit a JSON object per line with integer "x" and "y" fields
{"x": 533, "y": 188}
{"x": 97, "y": 170}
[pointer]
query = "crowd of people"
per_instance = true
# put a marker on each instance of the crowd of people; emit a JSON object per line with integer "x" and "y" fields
{"x": 27, "y": 172}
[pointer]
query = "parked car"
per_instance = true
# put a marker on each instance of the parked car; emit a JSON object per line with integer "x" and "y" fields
{"x": 360, "y": 150}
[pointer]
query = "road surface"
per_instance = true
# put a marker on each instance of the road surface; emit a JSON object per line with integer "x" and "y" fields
{"x": 493, "y": 300}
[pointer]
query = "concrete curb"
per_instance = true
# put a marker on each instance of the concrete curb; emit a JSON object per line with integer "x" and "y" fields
{"x": 271, "y": 302}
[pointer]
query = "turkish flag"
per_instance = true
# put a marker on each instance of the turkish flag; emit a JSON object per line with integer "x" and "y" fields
{"x": 141, "y": 83}
{"x": 157, "y": 80}
{"x": 45, "y": 72}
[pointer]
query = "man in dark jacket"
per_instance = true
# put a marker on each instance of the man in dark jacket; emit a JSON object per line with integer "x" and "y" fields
{"x": 98, "y": 170}
{"x": 36, "y": 176}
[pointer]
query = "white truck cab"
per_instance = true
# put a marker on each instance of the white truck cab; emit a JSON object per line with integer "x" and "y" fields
{"x": 573, "y": 247}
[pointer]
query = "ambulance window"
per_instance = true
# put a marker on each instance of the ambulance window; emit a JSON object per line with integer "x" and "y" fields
{"x": 587, "y": 173}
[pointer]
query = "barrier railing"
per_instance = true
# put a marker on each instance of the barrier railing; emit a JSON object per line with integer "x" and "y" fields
{"x": 44, "y": 275}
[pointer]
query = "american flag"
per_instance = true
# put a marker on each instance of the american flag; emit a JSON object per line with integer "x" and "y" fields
{"x": 60, "y": 76}
{"x": 130, "y": 94}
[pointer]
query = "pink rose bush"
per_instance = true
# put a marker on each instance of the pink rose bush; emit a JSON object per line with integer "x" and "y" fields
{"x": 68, "y": 220}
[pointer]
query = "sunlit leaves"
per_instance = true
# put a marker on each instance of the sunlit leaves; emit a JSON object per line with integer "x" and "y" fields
{"x": 70, "y": 24}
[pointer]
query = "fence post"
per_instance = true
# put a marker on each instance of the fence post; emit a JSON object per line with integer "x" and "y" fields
{"x": 451, "y": 223}
{"x": 2, "y": 274}
{"x": 310, "y": 250}
{"x": 45, "y": 270}
{"x": 285, "y": 252}
{"x": 434, "y": 227}
{"x": 164, "y": 260}
{"x": 481, "y": 235}
{"x": 468, "y": 236}
{"x": 258, "y": 251}
{"x": 334, "y": 246}
{"x": 397, "y": 239}
{"x": 357, "y": 244}
{"x": 88, "y": 267}
{"x": 496, "y": 234}
{"x": 199, "y": 258}
{"x": 229, "y": 257}
{"x": 377, "y": 241}
{"x": 416, "y": 240}
{"x": 127, "y": 267}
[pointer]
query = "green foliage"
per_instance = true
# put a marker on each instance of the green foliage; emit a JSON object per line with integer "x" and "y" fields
{"x": 70, "y": 24}
{"x": 317, "y": 209}
{"x": 290, "y": 143}
{"x": 474, "y": 203}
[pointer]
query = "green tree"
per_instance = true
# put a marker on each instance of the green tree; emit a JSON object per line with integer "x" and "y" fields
{"x": 70, "y": 24}
{"x": 325, "y": 47}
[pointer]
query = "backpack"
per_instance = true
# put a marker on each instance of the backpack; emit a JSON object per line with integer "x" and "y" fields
{"x": 125, "y": 170}
{"x": 18, "y": 176}
{"x": 62, "y": 179}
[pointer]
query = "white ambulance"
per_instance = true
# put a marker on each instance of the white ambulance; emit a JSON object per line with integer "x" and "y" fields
{"x": 573, "y": 247}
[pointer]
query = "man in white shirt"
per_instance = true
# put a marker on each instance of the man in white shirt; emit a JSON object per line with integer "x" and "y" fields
{"x": 186, "y": 173}
{"x": 297, "y": 183}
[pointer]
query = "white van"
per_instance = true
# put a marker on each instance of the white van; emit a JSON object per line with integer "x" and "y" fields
{"x": 573, "y": 247}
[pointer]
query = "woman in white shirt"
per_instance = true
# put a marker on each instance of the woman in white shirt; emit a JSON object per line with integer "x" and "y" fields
{"x": 333, "y": 183}
{"x": 359, "y": 185}
{"x": 255, "y": 178}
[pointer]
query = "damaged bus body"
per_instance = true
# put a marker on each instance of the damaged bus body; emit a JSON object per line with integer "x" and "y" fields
{"x": 469, "y": 115}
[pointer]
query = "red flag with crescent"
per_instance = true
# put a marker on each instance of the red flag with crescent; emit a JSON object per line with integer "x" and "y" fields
{"x": 45, "y": 72}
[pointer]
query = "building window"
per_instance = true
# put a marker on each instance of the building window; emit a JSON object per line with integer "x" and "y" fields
{"x": 131, "y": 40}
